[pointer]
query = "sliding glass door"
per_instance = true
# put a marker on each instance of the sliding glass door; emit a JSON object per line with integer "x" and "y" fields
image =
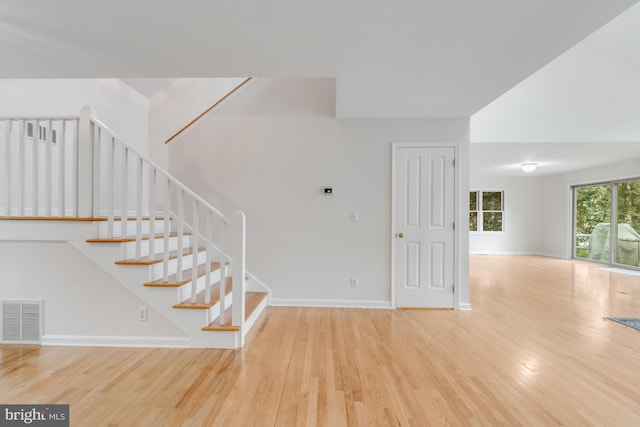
{"x": 591, "y": 223}
{"x": 628, "y": 219}
{"x": 596, "y": 236}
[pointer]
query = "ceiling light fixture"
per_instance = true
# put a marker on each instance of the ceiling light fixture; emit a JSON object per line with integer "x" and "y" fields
{"x": 528, "y": 167}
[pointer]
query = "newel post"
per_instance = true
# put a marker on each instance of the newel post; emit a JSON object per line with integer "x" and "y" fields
{"x": 85, "y": 163}
{"x": 239, "y": 267}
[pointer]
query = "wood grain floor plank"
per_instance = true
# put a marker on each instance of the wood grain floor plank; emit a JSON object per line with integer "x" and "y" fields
{"x": 534, "y": 351}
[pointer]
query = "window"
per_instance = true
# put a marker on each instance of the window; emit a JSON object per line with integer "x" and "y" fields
{"x": 42, "y": 133}
{"x": 486, "y": 211}
{"x": 608, "y": 216}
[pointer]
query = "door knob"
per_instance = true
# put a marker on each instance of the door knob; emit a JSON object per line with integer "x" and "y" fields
{"x": 400, "y": 235}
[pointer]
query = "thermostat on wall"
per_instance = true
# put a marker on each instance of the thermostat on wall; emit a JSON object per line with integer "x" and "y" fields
{"x": 327, "y": 190}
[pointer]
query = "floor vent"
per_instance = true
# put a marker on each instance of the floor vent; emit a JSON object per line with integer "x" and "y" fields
{"x": 21, "y": 321}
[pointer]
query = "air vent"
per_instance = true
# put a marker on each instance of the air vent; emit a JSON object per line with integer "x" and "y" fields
{"x": 21, "y": 321}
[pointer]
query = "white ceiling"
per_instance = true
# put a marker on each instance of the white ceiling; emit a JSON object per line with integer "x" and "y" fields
{"x": 580, "y": 110}
{"x": 504, "y": 160}
{"x": 407, "y": 58}
{"x": 148, "y": 86}
{"x": 402, "y": 59}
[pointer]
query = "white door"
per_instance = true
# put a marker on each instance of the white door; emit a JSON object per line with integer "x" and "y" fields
{"x": 424, "y": 226}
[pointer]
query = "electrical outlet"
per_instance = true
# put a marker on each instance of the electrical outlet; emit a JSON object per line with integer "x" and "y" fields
{"x": 354, "y": 282}
{"x": 142, "y": 313}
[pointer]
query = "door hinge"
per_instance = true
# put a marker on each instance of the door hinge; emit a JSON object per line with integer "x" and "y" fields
{"x": 454, "y": 225}
{"x": 454, "y": 163}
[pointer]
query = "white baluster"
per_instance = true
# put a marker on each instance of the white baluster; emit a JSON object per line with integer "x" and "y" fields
{"x": 36, "y": 167}
{"x": 124, "y": 214}
{"x": 48, "y": 170}
{"x": 7, "y": 166}
{"x": 207, "y": 267}
{"x": 152, "y": 213}
{"x": 111, "y": 176}
{"x": 78, "y": 209}
{"x": 62, "y": 144}
{"x": 97, "y": 144}
{"x": 223, "y": 272}
{"x": 194, "y": 242}
{"x": 167, "y": 216}
{"x": 139, "y": 196}
{"x": 180, "y": 220}
{"x": 239, "y": 266}
{"x": 23, "y": 169}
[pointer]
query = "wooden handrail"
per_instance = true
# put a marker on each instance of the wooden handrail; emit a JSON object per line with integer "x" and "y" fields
{"x": 218, "y": 102}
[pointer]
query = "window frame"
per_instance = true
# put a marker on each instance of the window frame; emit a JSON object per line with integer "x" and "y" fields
{"x": 480, "y": 211}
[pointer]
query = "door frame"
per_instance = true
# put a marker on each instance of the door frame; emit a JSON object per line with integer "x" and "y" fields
{"x": 461, "y": 232}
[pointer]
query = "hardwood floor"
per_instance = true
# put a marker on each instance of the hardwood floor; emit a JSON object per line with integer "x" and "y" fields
{"x": 534, "y": 351}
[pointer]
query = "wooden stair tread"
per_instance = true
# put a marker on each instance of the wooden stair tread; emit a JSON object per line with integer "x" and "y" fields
{"x": 70, "y": 218}
{"x": 148, "y": 261}
{"x": 132, "y": 238}
{"x": 48, "y": 218}
{"x": 129, "y": 218}
{"x": 200, "y": 302}
{"x": 251, "y": 302}
{"x": 186, "y": 276}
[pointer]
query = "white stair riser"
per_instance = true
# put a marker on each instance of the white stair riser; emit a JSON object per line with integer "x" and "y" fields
{"x": 214, "y": 311}
{"x": 103, "y": 228}
{"x": 130, "y": 247}
{"x": 187, "y": 262}
{"x": 184, "y": 292}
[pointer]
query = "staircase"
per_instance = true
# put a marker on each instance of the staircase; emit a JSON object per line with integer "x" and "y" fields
{"x": 156, "y": 237}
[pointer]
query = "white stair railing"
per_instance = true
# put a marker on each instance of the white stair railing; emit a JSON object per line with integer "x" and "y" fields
{"x": 78, "y": 167}
{"x": 156, "y": 193}
{"x": 40, "y": 157}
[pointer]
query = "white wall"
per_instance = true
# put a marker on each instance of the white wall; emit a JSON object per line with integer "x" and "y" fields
{"x": 119, "y": 106}
{"x": 274, "y": 160}
{"x": 522, "y": 217}
{"x": 82, "y": 301}
{"x": 556, "y": 202}
{"x": 172, "y": 107}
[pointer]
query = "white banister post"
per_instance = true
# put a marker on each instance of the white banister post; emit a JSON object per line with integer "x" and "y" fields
{"x": 238, "y": 267}
{"x": 84, "y": 191}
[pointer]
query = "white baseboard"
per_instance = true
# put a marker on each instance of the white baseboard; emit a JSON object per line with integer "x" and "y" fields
{"x": 504, "y": 253}
{"x": 547, "y": 254}
{"x": 286, "y": 302}
{"x": 109, "y": 341}
{"x": 550, "y": 255}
